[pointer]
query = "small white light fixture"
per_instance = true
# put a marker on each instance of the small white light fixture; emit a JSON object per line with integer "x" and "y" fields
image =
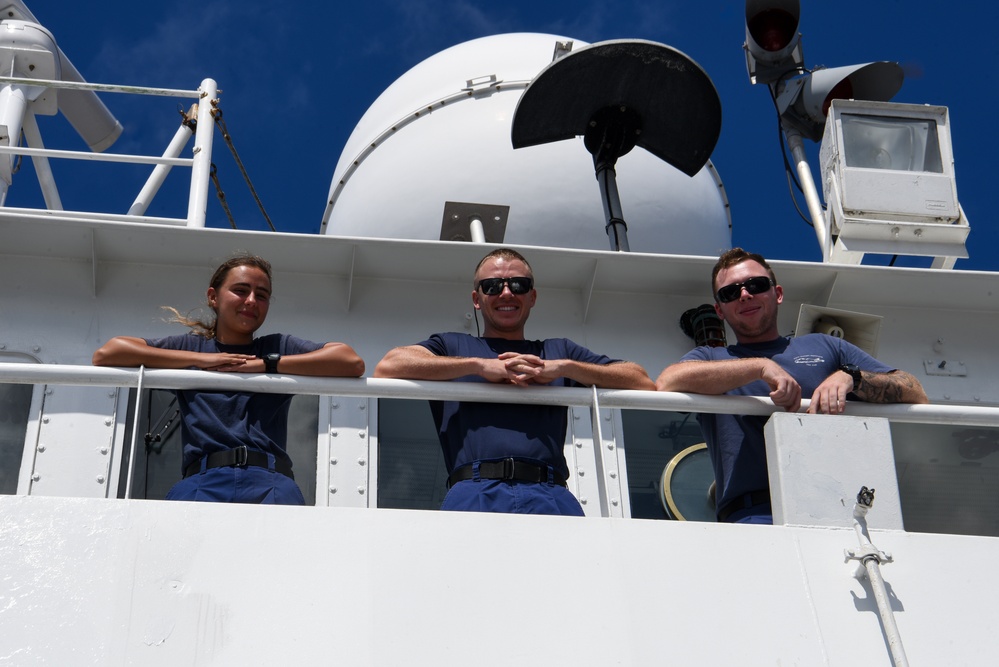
{"x": 888, "y": 182}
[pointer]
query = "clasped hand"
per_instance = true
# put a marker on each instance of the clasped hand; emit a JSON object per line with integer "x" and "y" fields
{"x": 225, "y": 361}
{"x": 521, "y": 369}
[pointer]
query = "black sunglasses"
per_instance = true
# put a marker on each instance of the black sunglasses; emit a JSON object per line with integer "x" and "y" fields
{"x": 756, "y": 285}
{"x": 494, "y": 286}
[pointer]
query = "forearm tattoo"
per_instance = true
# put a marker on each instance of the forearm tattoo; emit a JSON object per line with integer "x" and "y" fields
{"x": 896, "y": 387}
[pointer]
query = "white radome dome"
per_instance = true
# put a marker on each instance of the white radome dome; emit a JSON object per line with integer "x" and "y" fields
{"x": 410, "y": 154}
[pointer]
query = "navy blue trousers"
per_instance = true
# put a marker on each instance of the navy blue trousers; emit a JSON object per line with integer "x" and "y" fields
{"x": 238, "y": 485}
{"x": 495, "y": 495}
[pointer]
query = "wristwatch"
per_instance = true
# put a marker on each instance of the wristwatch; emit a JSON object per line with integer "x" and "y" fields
{"x": 853, "y": 370}
{"x": 271, "y": 361}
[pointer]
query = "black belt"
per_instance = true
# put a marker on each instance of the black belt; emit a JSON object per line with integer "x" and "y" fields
{"x": 241, "y": 457}
{"x": 745, "y": 501}
{"x": 507, "y": 469}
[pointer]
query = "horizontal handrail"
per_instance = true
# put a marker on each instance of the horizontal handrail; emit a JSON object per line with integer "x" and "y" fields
{"x": 26, "y": 373}
{"x": 97, "y": 157}
{"x": 100, "y": 87}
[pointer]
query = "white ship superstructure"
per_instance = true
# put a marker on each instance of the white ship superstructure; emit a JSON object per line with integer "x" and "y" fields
{"x": 98, "y": 569}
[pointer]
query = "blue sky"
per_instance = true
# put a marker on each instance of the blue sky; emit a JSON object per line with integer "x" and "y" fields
{"x": 297, "y": 76}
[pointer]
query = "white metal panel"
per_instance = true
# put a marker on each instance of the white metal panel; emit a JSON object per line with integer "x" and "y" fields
{"x": 353, "y": 459}
{"x": 819, "y": 463}
{"x": 75, "y": 446}
{"x": 155, "y": 583}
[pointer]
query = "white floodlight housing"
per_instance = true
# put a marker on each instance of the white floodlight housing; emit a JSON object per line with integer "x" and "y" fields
{"x": 888, "y": 181}
{"x": 773, "y": 45}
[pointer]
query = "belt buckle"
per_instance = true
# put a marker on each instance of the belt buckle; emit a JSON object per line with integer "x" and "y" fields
{"x": 241, "y": 456}
{"x": 509, "y": 466}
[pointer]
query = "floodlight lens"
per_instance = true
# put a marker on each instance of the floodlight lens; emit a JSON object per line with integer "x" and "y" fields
{"x": 773, "y": 28}
{"x": 901, "y": 144}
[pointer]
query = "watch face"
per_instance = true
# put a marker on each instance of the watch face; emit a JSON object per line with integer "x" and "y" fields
{"x": 271, "y": 362}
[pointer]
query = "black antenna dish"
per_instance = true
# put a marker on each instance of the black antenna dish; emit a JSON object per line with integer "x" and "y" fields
{"x": 617, "y": 95}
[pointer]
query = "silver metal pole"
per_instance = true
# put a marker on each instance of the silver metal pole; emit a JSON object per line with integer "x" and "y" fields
{"x": 201, "y": 171}
{"x": 822, "y": 231}
{"x": 871, "y": 558}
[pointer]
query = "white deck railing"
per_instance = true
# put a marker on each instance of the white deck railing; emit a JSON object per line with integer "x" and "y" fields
{"x": 594, "y": 399}
{"x": 20, "y": 373}
{"x": 206, "y": 95}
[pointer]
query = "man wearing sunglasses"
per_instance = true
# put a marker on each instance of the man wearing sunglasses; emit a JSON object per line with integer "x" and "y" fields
{"x": 506, "y": 457}
{"x": 762, "y": 363}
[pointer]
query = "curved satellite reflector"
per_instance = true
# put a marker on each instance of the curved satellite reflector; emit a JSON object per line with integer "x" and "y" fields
{"x": 618, "y": 95}
{"x": 678, "y": 105}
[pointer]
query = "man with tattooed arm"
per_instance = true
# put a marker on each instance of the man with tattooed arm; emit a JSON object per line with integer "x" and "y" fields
{"x": 764, "y": 363}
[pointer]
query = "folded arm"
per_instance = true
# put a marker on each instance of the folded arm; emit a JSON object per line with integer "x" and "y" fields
{"x": 415, "y": 362}
{"x": 718, "y": 377}
{"x": 616, "y": 375}
{"x": 131, "y": 351}
{"x": 892, "y": 387}
{"x": 333, "y": 359}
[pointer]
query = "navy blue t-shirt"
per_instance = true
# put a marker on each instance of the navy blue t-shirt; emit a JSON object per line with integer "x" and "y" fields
{"x": 216, "y": 421}
{"x": 736, "y": 442}
{"x": 471, "y": 432}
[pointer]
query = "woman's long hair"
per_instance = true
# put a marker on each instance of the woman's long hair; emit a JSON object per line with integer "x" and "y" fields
{"x": 207, "y": 328}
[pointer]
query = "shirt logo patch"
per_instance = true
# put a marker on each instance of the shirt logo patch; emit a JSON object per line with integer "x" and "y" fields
{"x": 809, "y": 360}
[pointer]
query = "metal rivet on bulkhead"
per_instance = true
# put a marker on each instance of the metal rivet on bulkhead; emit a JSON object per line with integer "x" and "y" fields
{"x": 610, "y": 445}
{"x": 582, "y": 501}
{"x": 580, "y": 472}
{"x": 45, "y": 420}
{"x": 579, "y": 444}
{"x": 614, "y": 502}
{"x": 333, "y": 433}
{"x": 332, "y": 489}
{"x": 361, "y": 407}
{"x": 360, "y": 490}
{"x": 613, "y": 474}
{"x": 104, "y": 450}
{"x": 107, "y": 422}
{"x": 334, "y": 405}
{"x": 361, "y": 462}
{"x": 333, "y": 462}
{"x": 36, "y": 349}
{"x": 361, "y": 434}
{"x": 41, "y": 448}
{"x": 35, "y": 477}
{"x": 100, "y": 479}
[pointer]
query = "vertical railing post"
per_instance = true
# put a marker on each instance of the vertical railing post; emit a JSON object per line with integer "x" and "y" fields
{"x": 598, "y": 455}
{"x": 201, "y": 170}
{"x": 135, "y": 432}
